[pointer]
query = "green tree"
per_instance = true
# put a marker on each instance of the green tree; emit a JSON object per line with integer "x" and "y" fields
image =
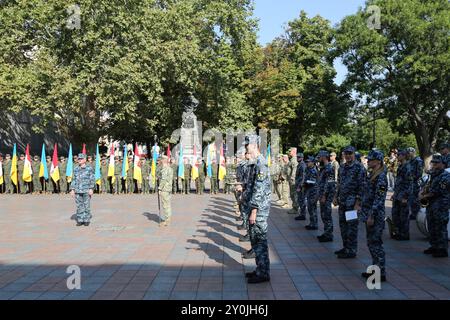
{"x": 404, "y": 66}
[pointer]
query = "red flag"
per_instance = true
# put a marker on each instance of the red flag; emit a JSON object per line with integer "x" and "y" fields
{"x": 84, "y": 149}
{"x": 168, "y": 151}
{"x": 54, "y": 170}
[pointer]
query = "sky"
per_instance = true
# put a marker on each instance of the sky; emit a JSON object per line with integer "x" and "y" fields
{"x": 273, "y": 16}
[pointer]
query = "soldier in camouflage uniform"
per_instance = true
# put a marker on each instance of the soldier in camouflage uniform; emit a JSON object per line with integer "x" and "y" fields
{"x": 352, "y": 181}
{"x": 104, "y": 175}
{"x": 311, "y": 191}
{"x": 130, "y": 180}
{"x": 275, "y": 170}
{"x": 146, "y": 174}
{"x": 292, "y": 169}
{"x": 49, "y": 182}
{"x": 213, "y": 179}
{"x": 20, "y": 166}
{"x": 187, "y": 177}
{"x": 165, "y": 189}
{"x": 6, "y": 174}
{"x": 82, "y": 188}
{"x": 284, "y": 181}
{"x": 259, "y": 185}
{"x": 174, "y": 166}
{"x": 373, "y": 210}
{"x": 62, "y": 174}
{"x": 402, "y": 193}
{"x": 327, "y": 190}
{"x": 117, "y": 175}
{"x": 445, "y": 152}
{"x": 299, "y": 182}
{"x": 417, "y": 166}
{"x": 438, "y": 196}
{"x": 37, "y": 187}
{"x": 230, "y": 176}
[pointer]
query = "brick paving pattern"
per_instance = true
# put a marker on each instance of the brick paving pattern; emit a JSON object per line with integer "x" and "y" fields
{"x": 125, "y": 255}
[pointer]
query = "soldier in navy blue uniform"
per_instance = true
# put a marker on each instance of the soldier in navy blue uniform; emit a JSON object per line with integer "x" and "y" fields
{"x": 299, "y": 181}
{"x": 403, "y": 189}
{"x": 373, "y": 210}
{"x": 445, "y": 152}
{"x": 352, "y": 181}
{"x": 438, "y": 196}
{"x": 417, "y": 165}
{"x": 246, "y": 188}
{"x": 82, "y": 188}
{"x": 327, "y": 190}
{"x": 311, "y": 191}
{"x": 259, "y": 203}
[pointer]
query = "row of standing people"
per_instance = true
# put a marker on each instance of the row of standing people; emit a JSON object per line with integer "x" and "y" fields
{"x": 118, "y": 184}
{"x": 351, "y": 187}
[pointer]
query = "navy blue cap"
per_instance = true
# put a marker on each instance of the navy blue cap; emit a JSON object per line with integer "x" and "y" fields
{"x": 437, "y": 158}
{"x": 375, "y": 155}
{"x": 350, "y": 149}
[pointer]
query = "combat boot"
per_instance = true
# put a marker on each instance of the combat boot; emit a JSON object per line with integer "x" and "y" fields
{"x": 346, "y": 255}
{"x": 258, "y": 279}
{"x": 250, "y": 274}
{"x": 343, "y": 250}
{"x": 245, "y": 238}
{"x": 440, "y": 253}
{"x": 366, "y": 275}
{"x": 309, "y": 227}
{"x": 87, "y": 224}
{"x": 430, "y": 250}
{"x": 324, "y": 238}
{"x": 79, "y": 224}
{"x": 249, "y": 255}
{"x": 300, "y": 218}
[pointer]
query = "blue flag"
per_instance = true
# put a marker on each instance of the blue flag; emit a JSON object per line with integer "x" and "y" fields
{"x": 69, "y": 169}
{"x": 125, "y": 162}
{"x": 98, "y": 175}
{"x": 181, "y": 164}
{"x": 208, "y": 162}
{"x": 43, "y": 170}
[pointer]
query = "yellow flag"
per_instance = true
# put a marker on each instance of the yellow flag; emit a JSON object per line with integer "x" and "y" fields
{"x": 14, "y": 166}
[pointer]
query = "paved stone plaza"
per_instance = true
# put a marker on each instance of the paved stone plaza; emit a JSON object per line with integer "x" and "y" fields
{"x": 125, "y": 255}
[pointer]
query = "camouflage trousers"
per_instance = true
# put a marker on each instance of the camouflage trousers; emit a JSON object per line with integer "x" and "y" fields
{"x": 325, "y": 214}
{"x": 199, "y": 185}
{"x": 83, "y": 202}
{"x": 301, "y": 201}
{"x": 375, "y": 243}
{"x": 245, "y": 212}
{"x": 285, "y": 192}
{"x": 414, "y": 202}
{"x": 349, "y": 231}
{"x": 258, "y": 240}
{"x": 214, "y": 185}
{"x": 311, "y": 197}
{"x": 400, "y": 218}
{"x": 166, "y": 206}
{"x": 293, "y": 195}
{"x": 145, "y": 185}
{"x": 8, "y": 184}
{"x": 36, "y": 183}
{"x": 63, "y": 186}
{"x": 437, "y": 219}
{"x": 277, "y": 188}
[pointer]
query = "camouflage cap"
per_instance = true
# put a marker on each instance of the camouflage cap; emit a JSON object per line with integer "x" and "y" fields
{"x": 402, "y": 152}
{"x": 300, "y": 155}
{"x": 81, "y": 156}
{"x": 252, "y": 139}
{"x": 375, "y": 155}
{"x": 411, "y": 150}
{"x": 437, "y": 158}
{"x": 310, "y": 159}
{"x": 240, "y": 151}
